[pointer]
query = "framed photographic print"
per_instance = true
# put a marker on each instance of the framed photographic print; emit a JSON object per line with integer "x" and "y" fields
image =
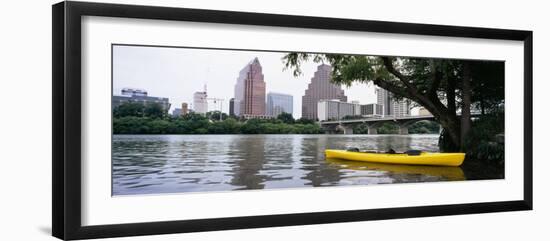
{"x": 169, "y": 120}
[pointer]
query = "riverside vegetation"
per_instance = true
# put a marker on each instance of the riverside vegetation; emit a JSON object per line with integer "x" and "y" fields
{"x": 136, "y": 118}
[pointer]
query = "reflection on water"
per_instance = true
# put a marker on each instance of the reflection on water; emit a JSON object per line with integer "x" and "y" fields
{"x": 445, "y": 172}
{"x": 148, "y": 164}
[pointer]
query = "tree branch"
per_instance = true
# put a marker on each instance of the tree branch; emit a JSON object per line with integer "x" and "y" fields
{"x": 388, "y": 63}
{"x": 436, "y": 80}
{"x": 392, "y": 88}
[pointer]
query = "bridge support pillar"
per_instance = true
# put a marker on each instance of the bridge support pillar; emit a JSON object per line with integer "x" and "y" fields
{"x": 403, "y": 130}
{"x": 348, "y": 130}
{"x": 373, "y": 130}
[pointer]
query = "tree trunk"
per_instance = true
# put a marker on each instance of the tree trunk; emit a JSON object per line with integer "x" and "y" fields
{"x": 451, "y": 124}
{"x": 466, "y": 103}
{"x": 446, "y": 115}
{"x": 451, "y": 95}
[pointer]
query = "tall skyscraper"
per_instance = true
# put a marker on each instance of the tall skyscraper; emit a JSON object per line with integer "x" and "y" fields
{"x": 200, "y": 103}
{"x": 318, "y": 89}
{"x": 278, "y": 103}
{"x": 402, "y": 108}
{"x": 232, "y": 106}
{"x": 383, "y": 98}
{"x": 250, "y": 91}
{"x": 392, "y": 107}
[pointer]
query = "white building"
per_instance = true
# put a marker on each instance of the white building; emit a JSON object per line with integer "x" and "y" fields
{"x": 200, "y": 103}
{"x": 401, "y": 108}
{"x": 391, "y": 106}
{"x": 336, "y": 110}
{"x": 372, "y": 110}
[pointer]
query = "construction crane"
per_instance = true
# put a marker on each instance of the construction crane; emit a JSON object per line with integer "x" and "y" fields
{"x": 215, "y": 100}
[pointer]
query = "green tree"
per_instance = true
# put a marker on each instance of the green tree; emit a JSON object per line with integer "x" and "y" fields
{"x": 305, "y": 121}
{"x": 159, "y": 126}
{"x": 253, "y": 126}
{"x": 154, "y": 110}
{"x": 286, "y": 118}
{"x": 215, "y": 115}
{"x": 486, "y": 142}
{"x": 388, "y": 128}
{"x": 361, "y": 129}
{"x": 129, "y": 109}
{"x": 131, "y": 125}
{"x": 424, "y": 127}
{"x": 488, "y": 95}
{"x": 193, "y": 117}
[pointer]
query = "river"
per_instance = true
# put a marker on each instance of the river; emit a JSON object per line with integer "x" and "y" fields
{"x": 152, "y": 164}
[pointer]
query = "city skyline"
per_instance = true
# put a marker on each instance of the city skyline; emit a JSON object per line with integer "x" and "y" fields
{"x": 180, "y": 72}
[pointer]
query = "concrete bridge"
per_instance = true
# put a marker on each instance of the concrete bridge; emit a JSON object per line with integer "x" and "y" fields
{"x": 403, "y": 122}
{"x": 373, "y": 123}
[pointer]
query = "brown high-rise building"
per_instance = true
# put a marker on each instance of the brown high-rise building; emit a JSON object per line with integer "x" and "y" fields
{"x": 250, "y": 91}
{"x": 184, "y": 109}
{"x": 320, "y": 88}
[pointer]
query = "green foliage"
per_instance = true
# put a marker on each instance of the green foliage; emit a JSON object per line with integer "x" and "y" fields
{"x": 253, "y": 126}
{"x": 488, "y": 95}
{"x": 305, "y": 121}
{"x": 129, "y": 109}
{"x": 388, "y": 128}
{"x": 215, "y": 115}
{"x": 384, "y": 128}
{"x": 361, "y": 129}
{"x": 154, "y": 110}
{"x": 286, "y": 118}
{"x": 131, "y": 125}
{"x": 137, "y": 109}
{"x": 158, "y": 126}
{"x": 486, "y": 139}
{"x": 424, "y": 127}
{"x": 199, "y": 124}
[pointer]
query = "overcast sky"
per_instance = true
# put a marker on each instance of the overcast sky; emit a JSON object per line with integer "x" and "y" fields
{"x": 176, "y": 73}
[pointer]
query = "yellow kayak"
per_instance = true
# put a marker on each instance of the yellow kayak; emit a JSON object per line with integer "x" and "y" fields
{"x": 423, "y": 158}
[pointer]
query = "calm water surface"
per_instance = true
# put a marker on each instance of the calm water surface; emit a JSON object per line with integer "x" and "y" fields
{"x": 148, "y": 164}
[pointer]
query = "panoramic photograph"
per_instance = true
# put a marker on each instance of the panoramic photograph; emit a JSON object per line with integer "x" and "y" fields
{"x": 187, "y": 120}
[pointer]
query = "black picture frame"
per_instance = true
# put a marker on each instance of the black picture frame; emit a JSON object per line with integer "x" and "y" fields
{"x": 66, "y": 128}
